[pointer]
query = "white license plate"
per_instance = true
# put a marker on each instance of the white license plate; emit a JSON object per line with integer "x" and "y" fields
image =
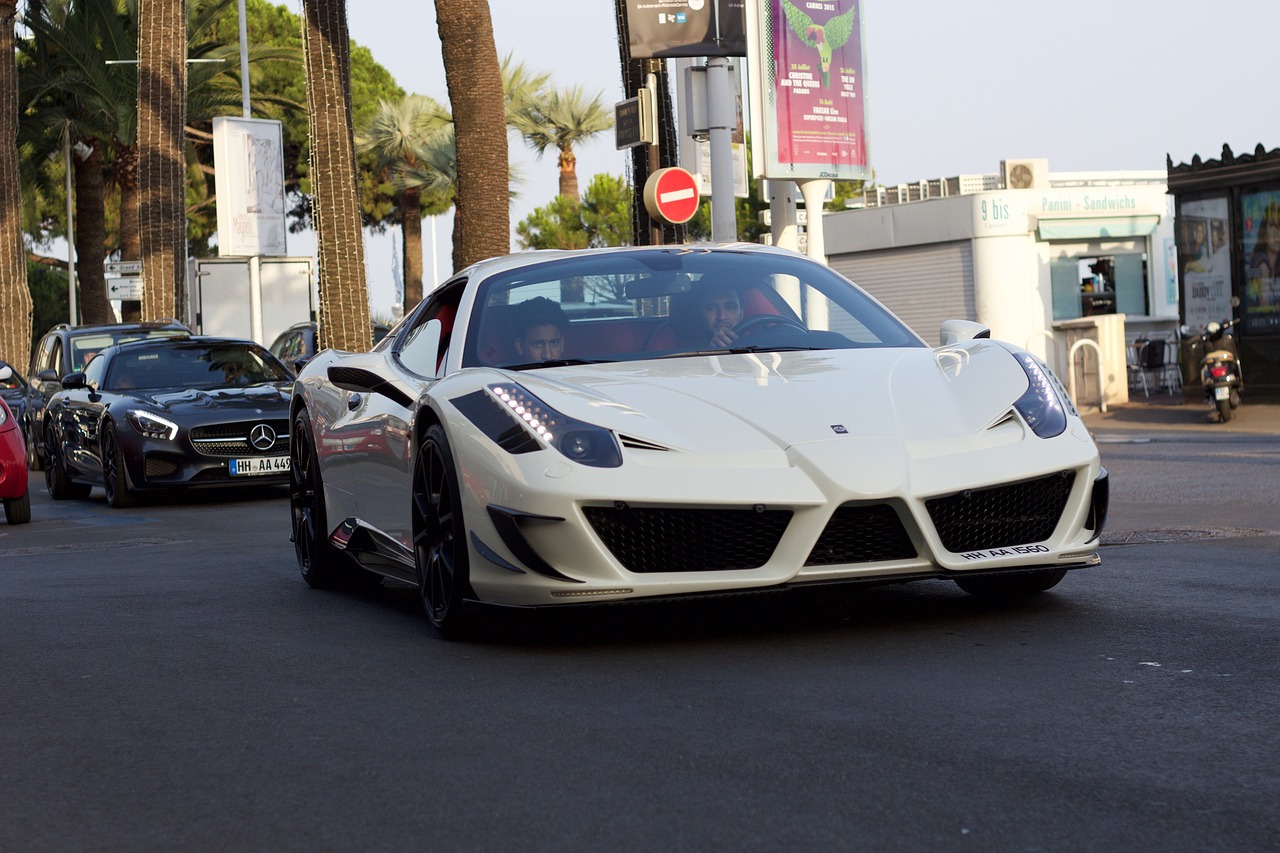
{"x": 1222, "y": 392}
{"x": 259, "y": 465}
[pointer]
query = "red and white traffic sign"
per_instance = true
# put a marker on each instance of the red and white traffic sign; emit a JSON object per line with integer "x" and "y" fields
{"x": 671, "y": 195}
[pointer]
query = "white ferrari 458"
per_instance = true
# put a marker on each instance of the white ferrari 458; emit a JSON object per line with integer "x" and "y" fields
{"x": 554, "y": 428}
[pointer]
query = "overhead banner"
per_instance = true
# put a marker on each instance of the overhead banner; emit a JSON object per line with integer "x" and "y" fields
{"x": 808, "y": 66}
{"x": 670, "y": 28}
{"x": 248, "y": 161}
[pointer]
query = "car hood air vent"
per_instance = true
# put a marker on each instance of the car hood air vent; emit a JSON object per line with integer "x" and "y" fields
{"x": 640, "y": 444}
{"x": 1008, "y": 416}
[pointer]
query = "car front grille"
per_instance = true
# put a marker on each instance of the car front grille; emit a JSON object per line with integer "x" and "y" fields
{"x": 156, "y": 466}
{"x": 862, "y": 534}
{"x": 224, "y": 440}
{"x": 656, "y": 539}
{"x": 1002, "y": 516}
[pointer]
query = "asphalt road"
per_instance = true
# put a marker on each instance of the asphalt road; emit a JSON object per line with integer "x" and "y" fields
{"x": 170, "y": 683}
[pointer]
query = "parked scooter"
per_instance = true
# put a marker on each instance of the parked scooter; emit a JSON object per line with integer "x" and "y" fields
{"x": 1219, "y": 365}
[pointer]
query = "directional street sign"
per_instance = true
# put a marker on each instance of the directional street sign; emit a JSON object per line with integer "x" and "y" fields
{"x": 123, "y": 267}
{"x": 671, "y": 195}
{"x": 128, "y": 288}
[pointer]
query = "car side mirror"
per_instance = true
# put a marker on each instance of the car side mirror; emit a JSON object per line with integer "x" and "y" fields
{"x": 6, "y": 372}
{"x": 955, "y": 331}
{"x": 47, "y": 375}
{"x": 73, "y": 381}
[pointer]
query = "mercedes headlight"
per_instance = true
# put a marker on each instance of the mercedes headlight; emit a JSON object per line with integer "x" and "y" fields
{"x": 152, "y": 425}
{"x": 576, "y": 440}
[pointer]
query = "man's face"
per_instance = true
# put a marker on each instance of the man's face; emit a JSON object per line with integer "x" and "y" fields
{"x": 721, "y": 310}
{"x": 541, "y": 343}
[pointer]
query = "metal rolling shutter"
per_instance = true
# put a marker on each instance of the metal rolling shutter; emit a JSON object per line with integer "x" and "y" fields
{"x": 923, "y": 285}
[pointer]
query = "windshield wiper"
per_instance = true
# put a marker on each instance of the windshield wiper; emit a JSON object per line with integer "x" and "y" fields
{"x": 748, "y": 350}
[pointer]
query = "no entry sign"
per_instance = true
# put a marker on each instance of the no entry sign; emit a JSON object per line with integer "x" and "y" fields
{"x": 671, "y": 195}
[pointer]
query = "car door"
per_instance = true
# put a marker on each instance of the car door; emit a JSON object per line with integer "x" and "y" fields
{"x": 78, "y": 413}
{"x": 375, "y": 464}
{"x": 43, "y": 381}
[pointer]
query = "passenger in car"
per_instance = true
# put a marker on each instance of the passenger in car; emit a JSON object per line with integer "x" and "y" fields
{"x": 720, "y": 309}
{"x": 540, "y": 330}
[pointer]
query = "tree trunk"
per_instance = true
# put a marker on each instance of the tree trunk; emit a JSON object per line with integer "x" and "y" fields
{"x": 162, "y": 101}
{"x": 344, "y": 301}
{"x": 91, "y": 238}
{"x": 15, "y": 298}
{"x": 124, "y": 169}
{"x": 475, "y": 95}
{"x": 411, "y": 229}
{"x": 568, "y": 174}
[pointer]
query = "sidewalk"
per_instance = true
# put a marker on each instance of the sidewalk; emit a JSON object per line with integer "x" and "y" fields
{"x": 1165, "y": 413}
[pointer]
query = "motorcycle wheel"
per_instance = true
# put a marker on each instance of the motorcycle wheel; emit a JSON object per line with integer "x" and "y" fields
{"x": 1235, "y": 399}
{"x": 1224, "y": 410}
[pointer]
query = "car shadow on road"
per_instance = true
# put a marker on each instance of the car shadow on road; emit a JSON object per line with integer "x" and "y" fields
{"x": 774, "y": 614}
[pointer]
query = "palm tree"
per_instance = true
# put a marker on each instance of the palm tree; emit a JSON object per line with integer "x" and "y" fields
{"x": 396, "y": 135}
{"x": 344, "y": 302}
{"x": 563, "y": 120}
{"x": 474, "y": 78}
{"x": 67, "y": 84}
{"x": 15, "y": 299}
{"x": 162, "y": 101}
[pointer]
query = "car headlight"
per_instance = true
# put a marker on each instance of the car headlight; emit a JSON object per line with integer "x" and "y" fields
{"x": 1043, "y": 406}
{"x": 4, "y": 415}
{"x": 152, "y": 425}
{"x": 579, "y": 441}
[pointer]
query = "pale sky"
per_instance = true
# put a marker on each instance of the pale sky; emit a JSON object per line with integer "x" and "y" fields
{"x": 952, "y": 88}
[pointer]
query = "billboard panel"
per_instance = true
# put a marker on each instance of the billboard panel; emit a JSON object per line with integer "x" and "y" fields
{"x": 248, "y": 159}
{"x": 1260, "y": 216}
{"x": 808, "y": 66}
{"x": 670, "y": 28}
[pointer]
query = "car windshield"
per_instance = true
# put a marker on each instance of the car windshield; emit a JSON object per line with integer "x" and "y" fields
{"x": 627, "y": 306}
{"x": 84, "y": 347}
{"x": 193, "y": 365}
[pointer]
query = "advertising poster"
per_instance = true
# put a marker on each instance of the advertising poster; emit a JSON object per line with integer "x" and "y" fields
{"x": 1260, "y": 218}
{"x": 1204, "y": 253}
{"x": 671, "y": 28}
{"x": 248, "y": 159}
{"x": 814, "y": 107}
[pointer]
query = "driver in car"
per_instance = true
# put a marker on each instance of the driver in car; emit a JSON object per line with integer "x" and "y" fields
{"x": 721, "y": 309}
{"x": 540, "y": 334}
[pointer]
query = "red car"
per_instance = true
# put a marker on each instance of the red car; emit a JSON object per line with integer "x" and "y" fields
{"x": 13, "y": 468}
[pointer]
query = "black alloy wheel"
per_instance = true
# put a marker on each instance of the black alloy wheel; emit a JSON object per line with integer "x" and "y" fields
{"x": 56, "y": 479}
{"x": 1015, "y": 585}
{"x": 115, "y": 477}
{"x": 320, "y": 564}
{"x": 440, "y": 537}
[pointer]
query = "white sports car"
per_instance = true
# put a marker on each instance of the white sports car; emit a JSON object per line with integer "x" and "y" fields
{"x": 552, "y": 428}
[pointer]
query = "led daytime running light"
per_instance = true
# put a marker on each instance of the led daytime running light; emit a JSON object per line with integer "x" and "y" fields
{"x": 1042, "y": 406}
{"x": 152, "y": 425}
{"x": 578, "y": 441}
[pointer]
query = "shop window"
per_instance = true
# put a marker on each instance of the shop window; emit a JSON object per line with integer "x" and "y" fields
{"x": 1099, "y": 284}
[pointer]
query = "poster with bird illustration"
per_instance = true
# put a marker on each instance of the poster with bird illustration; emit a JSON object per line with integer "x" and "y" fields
{"x": 817, "y": 88}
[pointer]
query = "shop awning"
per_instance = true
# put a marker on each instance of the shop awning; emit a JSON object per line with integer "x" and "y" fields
{"x": 1094, "y": 228}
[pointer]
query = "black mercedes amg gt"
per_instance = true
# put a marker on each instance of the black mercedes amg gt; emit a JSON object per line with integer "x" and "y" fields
{"x": 169, "y": 413}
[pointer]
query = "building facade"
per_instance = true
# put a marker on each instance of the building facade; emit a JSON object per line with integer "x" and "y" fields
{"x": 1041, "y": 258}
{"x": 1228, "y": 227}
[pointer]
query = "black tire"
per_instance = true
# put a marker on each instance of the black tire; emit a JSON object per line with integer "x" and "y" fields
{"x": 320, "y": 563}
{"x": 34, "y": 462}
{"x": 1235, "y": 399}
{"x": 440, "y": 538}
{"x": 56, "y": 478}
{"x": 18, "y": 510}
{"x": 1224, "y": 410}
{"x": 1014, "y": 585}
{"x": 115, "y": 476}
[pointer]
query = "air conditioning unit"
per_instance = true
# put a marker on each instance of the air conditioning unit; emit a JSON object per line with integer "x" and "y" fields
{"x": 1025, "y": 174}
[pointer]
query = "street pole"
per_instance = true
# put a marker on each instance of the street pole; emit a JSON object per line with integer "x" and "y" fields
{"x": 655, "y": 151}
{"x": 71, "y": 228}
{"x": 722, "y": 115}
{"x": 244, "y": 64}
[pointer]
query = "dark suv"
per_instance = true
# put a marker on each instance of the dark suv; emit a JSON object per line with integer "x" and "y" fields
{"x": 65, "y": 349}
